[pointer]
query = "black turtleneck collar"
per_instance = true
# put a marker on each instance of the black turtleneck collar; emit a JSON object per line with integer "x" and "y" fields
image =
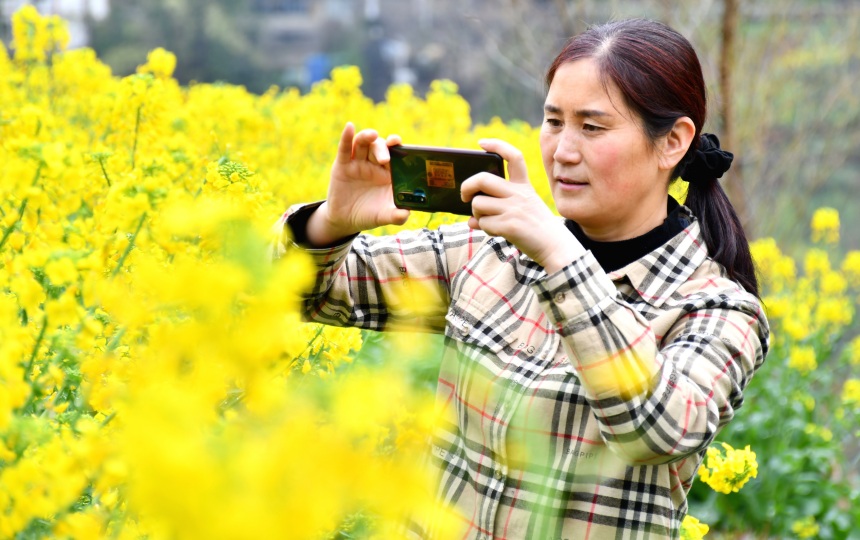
{"x": 614, "y": 255}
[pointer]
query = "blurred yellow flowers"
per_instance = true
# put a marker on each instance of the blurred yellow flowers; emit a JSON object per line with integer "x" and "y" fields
{"x": 825, "y": 225}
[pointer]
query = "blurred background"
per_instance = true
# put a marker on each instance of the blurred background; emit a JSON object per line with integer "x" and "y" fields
{"x": 782, "y": 75}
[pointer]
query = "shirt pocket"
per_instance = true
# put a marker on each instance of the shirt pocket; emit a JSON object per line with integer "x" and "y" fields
{"x": 473, "y": 324}
{"x": 512, "y": 342}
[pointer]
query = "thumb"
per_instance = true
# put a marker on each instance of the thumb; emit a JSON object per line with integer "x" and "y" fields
{"x": 517, "y": 169}
{"x": 397, "y": 216}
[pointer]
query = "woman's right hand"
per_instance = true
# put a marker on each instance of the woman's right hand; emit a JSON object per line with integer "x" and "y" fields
{"x": 359, "y": 193}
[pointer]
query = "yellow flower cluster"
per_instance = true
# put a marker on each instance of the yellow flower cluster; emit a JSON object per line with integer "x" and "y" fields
{"x": 693, "y": 529}
{"x": 825, "y": 225}
{"x": 727, "y": 470}
{"x": 818, "y": 302}
{"x": 805, "y": 528}
{"x": 822, "y": 432}
{"x": 802, "y": 358}
{"x": 159, "y": 63}
{"x": 36, "y": 37}
{"x": 851, "y": 393}
{"x": 157, "y": 379}
{"x": 806, "y": 399}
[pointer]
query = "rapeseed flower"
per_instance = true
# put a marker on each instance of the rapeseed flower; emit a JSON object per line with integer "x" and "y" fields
{"x": 806, "y": 399}
{"x": 816, "y": 263}
{"x": 160, "y": 63}
{"x": 805, "y": 528}
{"x": 851, "y": 268}
{"x": 834, "y": 311}
{"x": 61, "y": 271}
{"x": 727, "y": 470}
{"x": 833, "y": 284}
{"x": 822, "y": 432}
{"x": 693, "y": 529}
{"x": 851, "y": 393}
{"x": 825, "y": 225}
{"x": 776, "y": 270}
{"x": 34, "y": 37}
{"x": 802, "y": 358}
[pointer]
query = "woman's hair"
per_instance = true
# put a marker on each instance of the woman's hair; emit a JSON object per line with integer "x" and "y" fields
{"x": 659, "y": 75}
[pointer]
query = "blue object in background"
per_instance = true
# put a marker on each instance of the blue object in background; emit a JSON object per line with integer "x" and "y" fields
{"x": 318, "y": 67}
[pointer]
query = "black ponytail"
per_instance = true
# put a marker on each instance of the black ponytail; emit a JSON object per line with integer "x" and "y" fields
{"x": 721, "y": 228}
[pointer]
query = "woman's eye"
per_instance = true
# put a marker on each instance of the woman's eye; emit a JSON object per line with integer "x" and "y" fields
{"x": 590, "y": 127}
{"x": 554, "y": 122}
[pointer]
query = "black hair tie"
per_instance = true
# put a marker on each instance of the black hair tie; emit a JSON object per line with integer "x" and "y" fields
{"x": 708, "y": 161}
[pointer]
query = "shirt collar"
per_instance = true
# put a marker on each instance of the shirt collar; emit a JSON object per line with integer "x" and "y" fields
{"x": 617, "y": 254}
{"x": 657, "y": 275}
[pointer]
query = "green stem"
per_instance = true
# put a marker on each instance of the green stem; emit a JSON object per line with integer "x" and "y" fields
{"x": 33, "y": 386}
{"x": 12, "y": 226}
{"x": 311, "y": 342}
{"x": 129, "y": 247}
{"x": 104, "y": 171}
{"x": 21, "y": 209}
{"x": 136, "y": 132}
{"x": 36, "y": 348}
{"x": 109, "y": 417}
{"x": 114, "y": 342}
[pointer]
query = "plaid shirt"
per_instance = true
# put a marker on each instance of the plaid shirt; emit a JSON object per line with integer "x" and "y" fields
{"x": 572, "y": 405}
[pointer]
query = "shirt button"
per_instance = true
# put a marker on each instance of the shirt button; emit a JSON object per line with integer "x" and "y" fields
{"x": 464, "y": 328}
{"x": 559, "y": 298}
{"x": 498, "y": 474}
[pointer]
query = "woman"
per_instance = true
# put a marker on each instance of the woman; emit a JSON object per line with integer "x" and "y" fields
{"x": 589, "y": 360}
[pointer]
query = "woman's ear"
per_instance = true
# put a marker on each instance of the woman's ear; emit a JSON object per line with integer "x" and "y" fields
{"x": 677, "y": 142}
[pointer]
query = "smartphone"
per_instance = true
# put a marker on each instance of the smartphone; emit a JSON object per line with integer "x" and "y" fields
{"x": 428, "y": 178}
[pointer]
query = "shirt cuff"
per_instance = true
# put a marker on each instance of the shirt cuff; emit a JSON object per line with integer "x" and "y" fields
{"x": 296, "y": 226}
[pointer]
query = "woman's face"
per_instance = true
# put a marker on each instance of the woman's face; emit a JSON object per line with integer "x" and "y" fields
{"x": 603, "y": 171}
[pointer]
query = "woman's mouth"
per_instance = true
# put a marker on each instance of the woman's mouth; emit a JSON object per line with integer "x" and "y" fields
{"x": 570, "y": 182}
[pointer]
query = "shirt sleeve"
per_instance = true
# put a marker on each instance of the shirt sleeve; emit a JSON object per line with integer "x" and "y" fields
{"x": 657, "y": 399}
{"x": 397, "y": 282}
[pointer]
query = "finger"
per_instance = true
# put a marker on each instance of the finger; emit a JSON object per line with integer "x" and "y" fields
{"x": 483, "y": 205}
{"x": 344, "y": 146}
{"x": 391, "y": 215}
{"x": 491, "y": 225}
{"x": 398, "y": 216}
{"x": 486, "y": 184}
{"x": 473, "y": 223}
{"x": 517, "y": 170}
{"x": 361, "y": 144}
{"x": 379, "y": 151}
{"x": 393, "y": 140}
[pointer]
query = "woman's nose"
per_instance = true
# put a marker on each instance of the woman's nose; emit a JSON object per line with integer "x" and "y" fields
{"x": 567, "y": 150}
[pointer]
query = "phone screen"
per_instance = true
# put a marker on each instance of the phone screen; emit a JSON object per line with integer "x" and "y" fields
{"x": 428, "y": 178}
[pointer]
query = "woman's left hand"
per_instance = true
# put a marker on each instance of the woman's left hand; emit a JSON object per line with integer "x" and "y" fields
{"x": 513, "y": 210}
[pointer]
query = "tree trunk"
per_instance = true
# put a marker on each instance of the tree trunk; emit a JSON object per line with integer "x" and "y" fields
{"x": 734, "y": 177}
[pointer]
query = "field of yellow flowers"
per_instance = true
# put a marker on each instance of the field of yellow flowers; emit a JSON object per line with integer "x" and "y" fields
{"x": 157, "y": 381}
